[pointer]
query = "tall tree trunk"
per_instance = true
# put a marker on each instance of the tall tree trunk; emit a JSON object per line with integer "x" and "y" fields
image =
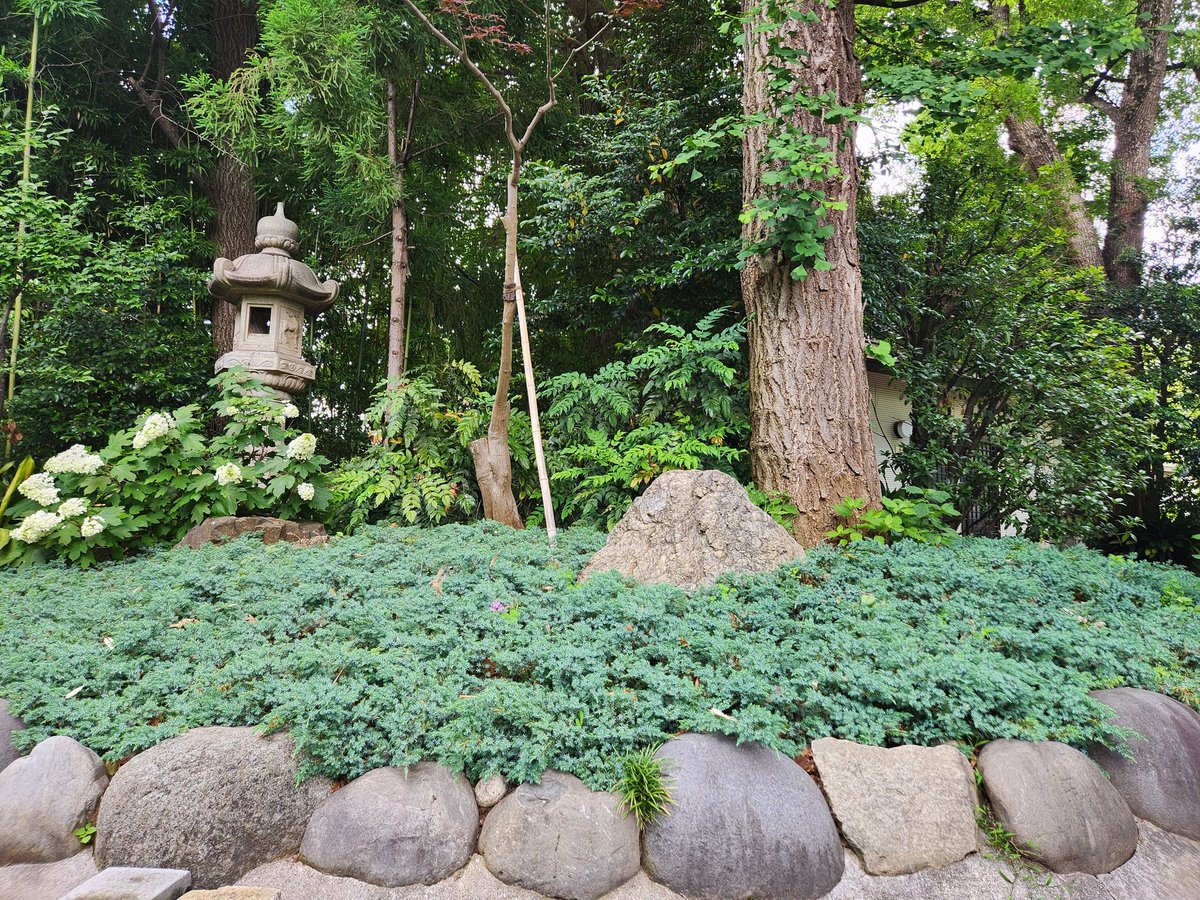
{"x": 809, "y": 401}
{"x": 1133, "y": 126}
{"x": 398, "y": 155}
{"x": 234, "y": 32}
{"x": 1043, "y": 161}
{"x": 493, "y": 464}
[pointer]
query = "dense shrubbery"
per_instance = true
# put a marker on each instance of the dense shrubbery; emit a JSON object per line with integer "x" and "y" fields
{"x": 152, "y": 482}
{"x": 477, "y": 647}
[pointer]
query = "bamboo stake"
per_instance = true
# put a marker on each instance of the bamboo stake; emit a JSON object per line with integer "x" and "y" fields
{"x": 534, "y": 422}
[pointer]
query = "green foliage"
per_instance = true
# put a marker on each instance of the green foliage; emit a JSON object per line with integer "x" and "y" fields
{"x": 388, "y": 647}
{"x": 644, "y": 788}
{"x": 419, "y": 468}
{"x": 1021, "y": 389}
{"x": 85, "y": 834}
{"x": 676, "y": 404}
{"x": 108, "y": 325}
{"x": 154, "y": 481}
{"x": 917, "y": 514}
{"x": 1019, "y": 858}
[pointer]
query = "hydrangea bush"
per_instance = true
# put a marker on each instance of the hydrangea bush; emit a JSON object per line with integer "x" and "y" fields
{"x": 154, "y": 481}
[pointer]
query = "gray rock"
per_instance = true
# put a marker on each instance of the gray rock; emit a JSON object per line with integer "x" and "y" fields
{"x": 217, "y": 801}
{"x": 1162, "y": 782}
{"x": 1165, "y": 867}
{"x": 902, "y": 809}
{"x": 561, "y": 839}
{"x": 1058, "y": 803}
{"x": 8, "y": 724}
{"x": 124, "y": 883}
{"x": 229, "y": 528}
{"x": 978, "y": 877}
{"x": 744, "y": 822}
{"x": 490, "y": 791}
{"x": 392, "y": 828}
{"x": 44, "y": 797}
{"x": 299, "y": 882}
{"x": 689, "y": 528}
{"x": 46, "y": 881}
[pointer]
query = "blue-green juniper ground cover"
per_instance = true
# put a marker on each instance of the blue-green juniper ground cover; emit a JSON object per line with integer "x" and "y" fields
{"x": 478, "y": 647}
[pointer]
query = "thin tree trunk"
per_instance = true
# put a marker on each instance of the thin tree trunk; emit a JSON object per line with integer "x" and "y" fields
{"x": 809, "y": 402}
{"x": 493, "y": 464}
{"x": 1043, "y": 161}
{"x": 398, "y": 156}
{"x": 1133, "y": 126}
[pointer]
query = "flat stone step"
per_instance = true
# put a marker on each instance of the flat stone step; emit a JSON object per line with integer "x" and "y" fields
{"x": 129, "y": 883}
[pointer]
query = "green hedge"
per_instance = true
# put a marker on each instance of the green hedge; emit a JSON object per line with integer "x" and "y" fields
{"x": 384, "y": 649}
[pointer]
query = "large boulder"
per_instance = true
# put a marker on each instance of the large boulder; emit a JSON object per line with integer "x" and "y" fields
{"x": 691, "y": 527}
{"x": 743, "y": 822}
{"x": 394, "y": 828}
{"x": 216, "y": 801}
{"x": 229, "y": 528}
{"x": 902, "y": 809}
{"x": 1162, "y": 781}
{"x": 560, "y": 838}
{"x": 45, "y": 797}
{"x": 8, "y": 724}
{"x": 1058, "y": 805}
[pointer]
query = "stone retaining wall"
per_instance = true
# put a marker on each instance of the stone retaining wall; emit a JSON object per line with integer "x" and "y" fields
{"x": 222, "y": 805}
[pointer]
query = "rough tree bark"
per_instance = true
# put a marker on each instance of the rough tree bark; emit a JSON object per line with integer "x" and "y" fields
{"x": 1134, "y": 118}
{"x": 1043, "y": 161}
{"x": 809, "y": 402}
{"x": 230, "y": 189}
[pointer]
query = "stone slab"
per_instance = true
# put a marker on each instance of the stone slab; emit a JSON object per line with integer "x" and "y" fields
{"x": 235, "y": 892}
{"x": 902, "y": 809}
{"x": 297, "y": 881}
{"x": 1165, "y": 867}
{"x": 46, "y": 881}
{"x": 977, "y": 877}
{"x": 129, "y": 883}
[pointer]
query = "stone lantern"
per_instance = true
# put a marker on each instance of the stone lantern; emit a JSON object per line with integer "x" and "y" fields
{"x": 273, "y": 293}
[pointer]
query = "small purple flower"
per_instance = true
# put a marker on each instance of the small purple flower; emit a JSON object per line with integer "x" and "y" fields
{"x": 497, "y": 606}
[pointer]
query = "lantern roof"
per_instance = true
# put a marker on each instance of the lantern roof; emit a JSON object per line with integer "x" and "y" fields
{"x": 272, "y": 270}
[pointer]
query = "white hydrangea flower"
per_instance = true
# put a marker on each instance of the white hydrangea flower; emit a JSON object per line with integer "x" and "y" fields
{"x": 91, "y": 526}
{"x": 71, "y": 507}
{"x": 306, "y": 491}
{"x": 302, "y": 447}
{"x": 290, "y": 411}
{"x": 40, "y": 489}
{"x": 74, "y": 461}
{"x": 229, "y": 473}
{"x": 155, "y": 426}
{"x": 36, "y": 526}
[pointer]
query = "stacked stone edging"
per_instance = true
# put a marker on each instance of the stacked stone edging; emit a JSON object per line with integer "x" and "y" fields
{"x": 222, "y": 804}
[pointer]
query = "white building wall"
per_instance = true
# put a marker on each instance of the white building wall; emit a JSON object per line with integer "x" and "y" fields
{"x": 888, "y": 408}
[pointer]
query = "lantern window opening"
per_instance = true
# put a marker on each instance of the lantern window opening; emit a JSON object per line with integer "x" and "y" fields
{"x": 259, "y": 320}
